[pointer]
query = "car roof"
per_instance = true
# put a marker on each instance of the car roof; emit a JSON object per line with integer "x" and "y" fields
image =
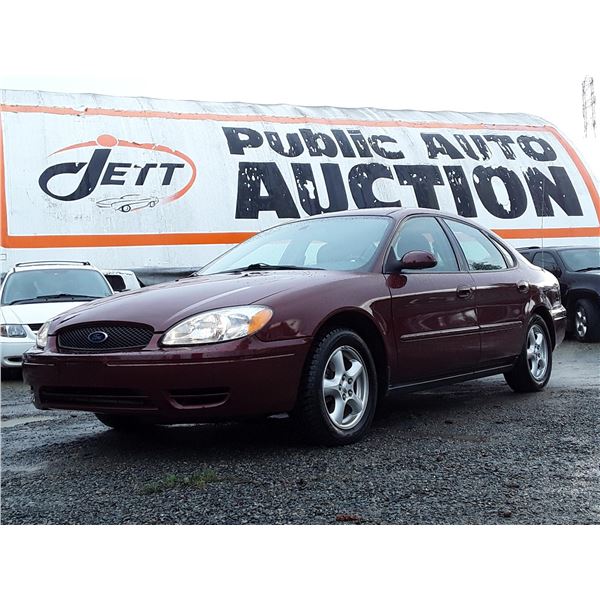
{"x": 36, "y": 266}
{"x": 396, "y": 212}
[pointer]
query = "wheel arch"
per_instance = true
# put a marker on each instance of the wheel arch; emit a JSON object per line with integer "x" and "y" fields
{"x": 365, "y": 326}
{"x": 573, "y": 295}
{"x": 580, "y": 294}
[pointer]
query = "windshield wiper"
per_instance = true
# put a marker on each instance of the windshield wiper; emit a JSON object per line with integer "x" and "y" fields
{"x": 266, "y": 267}
{"x": 24, "y": 301}
{"x": 49, "y": 297}
{"x": 587, "y": 269}
{"x": 58, "y": 296}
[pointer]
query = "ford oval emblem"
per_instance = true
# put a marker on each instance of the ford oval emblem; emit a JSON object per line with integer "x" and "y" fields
{"x": 97, "y": 337}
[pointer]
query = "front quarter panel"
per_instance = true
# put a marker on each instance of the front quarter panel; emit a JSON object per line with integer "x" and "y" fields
{"x": 302, "y": 312}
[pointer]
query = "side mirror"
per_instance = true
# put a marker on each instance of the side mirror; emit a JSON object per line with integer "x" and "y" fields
{"x": 418, "y": 259}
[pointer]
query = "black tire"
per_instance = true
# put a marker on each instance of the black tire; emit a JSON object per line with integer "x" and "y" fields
{"x": 311, "y": 414}
{"x": 521, "y": 378}
{"x": 123, "y": 422}
{"x": 586, "y": 321}
{"x": 11, "y": 373}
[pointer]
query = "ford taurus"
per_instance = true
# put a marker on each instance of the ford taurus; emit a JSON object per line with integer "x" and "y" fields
{"x": 321, "y": 318}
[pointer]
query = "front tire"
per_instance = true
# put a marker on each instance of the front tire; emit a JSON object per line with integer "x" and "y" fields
{"x": 11, "y": 373}
{"x": 338, "y": 393}
{"x": 586, "y": 321}
{"x": 533, "y": 368}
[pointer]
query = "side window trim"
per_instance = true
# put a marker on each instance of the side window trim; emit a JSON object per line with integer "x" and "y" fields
{"x": 463, "y": 265}
{"x": 504, "y": 250}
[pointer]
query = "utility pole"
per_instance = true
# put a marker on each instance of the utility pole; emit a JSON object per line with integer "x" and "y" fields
{"x": 588, "y": 104}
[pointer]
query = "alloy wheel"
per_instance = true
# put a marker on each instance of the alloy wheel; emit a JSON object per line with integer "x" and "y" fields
{"x": 581, "y": 324}
{"x": 345, "y": 387}
{"x": 537, "y": 352}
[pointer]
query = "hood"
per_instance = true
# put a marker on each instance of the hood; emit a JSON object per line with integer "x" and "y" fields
{"x": 41, "y": 312}
{"x": 161, "y": 306}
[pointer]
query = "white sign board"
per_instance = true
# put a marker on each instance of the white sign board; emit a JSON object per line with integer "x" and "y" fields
{"x": 110, "y": 176}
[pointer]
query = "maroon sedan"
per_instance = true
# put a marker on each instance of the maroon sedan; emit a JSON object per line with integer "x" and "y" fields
{"x": 320, "y": 318}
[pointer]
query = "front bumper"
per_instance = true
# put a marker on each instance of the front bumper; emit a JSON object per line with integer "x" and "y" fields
{"x": 179, "y": 385}
{"x": 559, "y": 317}
{"x": 12, "y": 350}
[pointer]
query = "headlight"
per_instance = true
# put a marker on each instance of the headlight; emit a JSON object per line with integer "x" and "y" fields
{"x": 42, "y": 335}
{"x": 218, "y": 326}
{"x": 13, "y": 331}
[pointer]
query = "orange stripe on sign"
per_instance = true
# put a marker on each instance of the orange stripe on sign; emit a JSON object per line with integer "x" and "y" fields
{"x": 560, "y": 232}
{"x": 181, "y": 239}
{"x": 116, "y": 240}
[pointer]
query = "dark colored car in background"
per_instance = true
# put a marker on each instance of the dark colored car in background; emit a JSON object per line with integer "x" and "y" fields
{"x": 320, "y": 318}
{"x": 577, "y": 269}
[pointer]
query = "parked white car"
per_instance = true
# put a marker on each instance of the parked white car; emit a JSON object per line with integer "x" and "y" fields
{"x": 35, "y": 292}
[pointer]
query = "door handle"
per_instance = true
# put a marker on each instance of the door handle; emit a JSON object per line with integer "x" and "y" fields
{"x": 464, "y": 291}
{"x": 523, "y": 286}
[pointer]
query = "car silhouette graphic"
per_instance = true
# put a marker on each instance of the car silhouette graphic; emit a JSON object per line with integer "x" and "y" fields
{"x": 128, "y": 202}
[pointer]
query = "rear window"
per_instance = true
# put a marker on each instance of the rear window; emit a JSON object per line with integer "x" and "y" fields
{"x": 117, "y": 282}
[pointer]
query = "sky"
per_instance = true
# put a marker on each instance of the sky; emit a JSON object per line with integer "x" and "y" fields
{"x": 467, "y": 56}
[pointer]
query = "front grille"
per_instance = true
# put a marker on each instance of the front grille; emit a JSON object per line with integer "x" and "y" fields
{"x": 200, "y": 397}
{"x": 93, "y": 397}
{"x": 118, "y": 337}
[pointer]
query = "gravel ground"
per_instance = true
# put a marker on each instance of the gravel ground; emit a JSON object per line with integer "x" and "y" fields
{"x": 469, "y": 453}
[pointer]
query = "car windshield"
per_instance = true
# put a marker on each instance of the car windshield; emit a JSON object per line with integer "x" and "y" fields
{"x": 54, "y": 285}
{"x": 346, "y": 243}
{"x": 581, "y": 259}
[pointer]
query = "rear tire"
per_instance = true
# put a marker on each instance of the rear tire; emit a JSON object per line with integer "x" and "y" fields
{"x": 338, "y": 392}
{"x": 533, "y": 368}
{"x": 586, "y": 321}
{"x": 124, "y": 422}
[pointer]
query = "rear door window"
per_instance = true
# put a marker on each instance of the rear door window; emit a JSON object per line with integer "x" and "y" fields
{"x": 481, "y": 253}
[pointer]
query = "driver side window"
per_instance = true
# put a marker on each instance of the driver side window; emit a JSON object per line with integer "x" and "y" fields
{"x": 425, "y": 233}
{"x": 546, "y": 261}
